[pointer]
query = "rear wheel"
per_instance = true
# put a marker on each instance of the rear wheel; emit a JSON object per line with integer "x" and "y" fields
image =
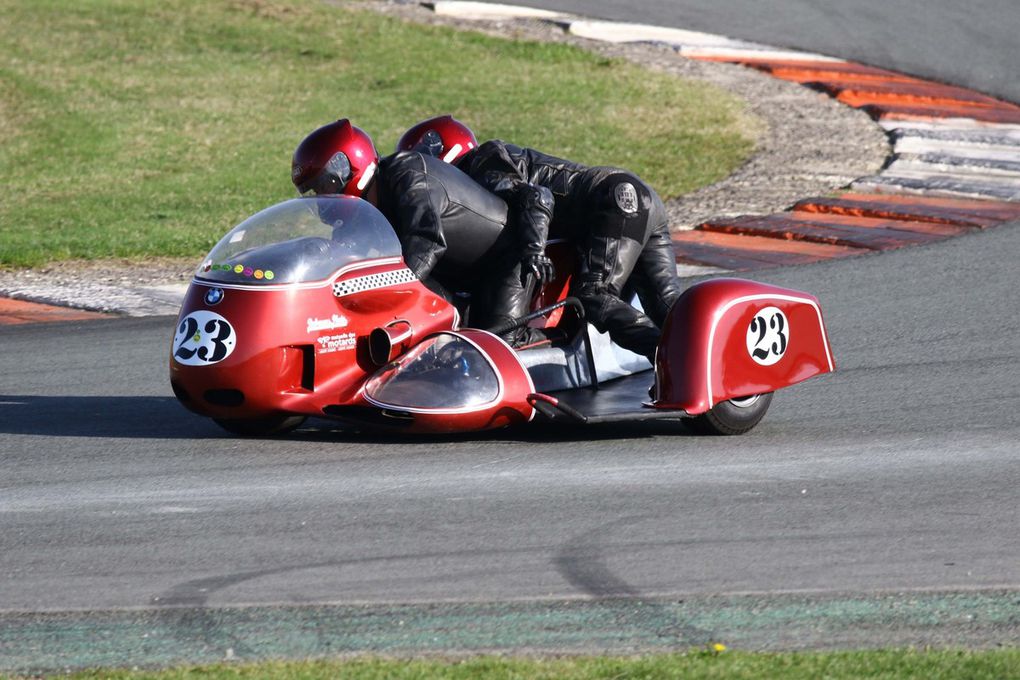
{"x": 260, "y": 427}
{"x": 735, "y": 416}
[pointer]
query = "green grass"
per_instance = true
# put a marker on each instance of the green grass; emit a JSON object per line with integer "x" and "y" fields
{"x": 926, "y": 665}
{"x": 137, "y": 129}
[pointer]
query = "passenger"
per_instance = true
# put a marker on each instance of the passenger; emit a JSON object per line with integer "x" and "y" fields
{"x": 616, "y": 222}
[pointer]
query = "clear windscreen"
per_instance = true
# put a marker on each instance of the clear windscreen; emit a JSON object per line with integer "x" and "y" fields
{"x": 443, "y": 372}
{"x": 300, "y": 240}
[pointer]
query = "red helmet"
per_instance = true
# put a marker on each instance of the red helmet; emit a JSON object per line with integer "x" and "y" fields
{"x": 443, "y": 137}
{"x": 335, "y": 159}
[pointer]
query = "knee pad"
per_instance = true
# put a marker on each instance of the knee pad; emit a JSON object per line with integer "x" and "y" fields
{"x": 623, "y": 206}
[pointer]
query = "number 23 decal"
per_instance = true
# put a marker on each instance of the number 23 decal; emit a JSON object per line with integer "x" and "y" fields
{"x": 768, "y": 336}
{"x": 203, "y": 338}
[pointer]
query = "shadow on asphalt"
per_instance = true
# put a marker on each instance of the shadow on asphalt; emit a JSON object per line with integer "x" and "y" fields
{"x": 326, "y": 430}
{"x": 91, "y": 416}
{"x": 149, "y": 417}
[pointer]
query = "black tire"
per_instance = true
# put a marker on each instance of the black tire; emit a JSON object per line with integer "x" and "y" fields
{"x": 735, "y": 416}
{"x": 260, "y": 427}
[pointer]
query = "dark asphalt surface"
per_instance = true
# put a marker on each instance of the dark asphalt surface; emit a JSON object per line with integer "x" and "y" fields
{"x": 899, "y": 472}
{"x": 976, "y": 44}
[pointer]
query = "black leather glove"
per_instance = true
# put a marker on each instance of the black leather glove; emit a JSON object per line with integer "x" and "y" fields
{"x": 534, "y": 211}
{"x": 539, "y": 266}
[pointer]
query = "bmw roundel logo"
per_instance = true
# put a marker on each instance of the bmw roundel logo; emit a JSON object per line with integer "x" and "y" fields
{"x": 213, "y": 296}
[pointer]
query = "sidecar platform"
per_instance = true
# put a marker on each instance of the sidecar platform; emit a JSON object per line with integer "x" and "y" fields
{"x": 619, "y": 400}
{"x": 563, "y": 377}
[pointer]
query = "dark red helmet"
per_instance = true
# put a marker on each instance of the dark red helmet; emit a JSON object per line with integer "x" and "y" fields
{"x": 444, "y": 137}
{"x": 335, "y": 159}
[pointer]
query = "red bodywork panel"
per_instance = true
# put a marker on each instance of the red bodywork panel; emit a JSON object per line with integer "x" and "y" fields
{"x": 564, "y": 259}
{"x": 300, "y": 347}
{"x": 729, "y": 338}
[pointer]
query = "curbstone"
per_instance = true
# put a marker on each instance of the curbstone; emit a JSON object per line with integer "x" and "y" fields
{"x": 945, "y": 125}
{"x": 977, "y": 214}
{"x": 853, "y": 232}
{"x": 733, "y": 252}
{"x": 935, "y": 184}
{"x": 908, "y": 165}
{"x": 979, "y": 164}
{"x": 987, "y": 136}
{"x": 896, "y": 224}
{"x": 919, "y": 146}
{"x": 897, "y": 92}
{"x": 897, "y": 112}
{"x": 618, "y": 32}
{"x": 16, "y": 312}
{"x": 816, "y": 70}
{"x": 490, "y": 11}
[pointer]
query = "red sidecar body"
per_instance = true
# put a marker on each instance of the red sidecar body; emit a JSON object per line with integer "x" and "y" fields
{"x": 307, "y": 309}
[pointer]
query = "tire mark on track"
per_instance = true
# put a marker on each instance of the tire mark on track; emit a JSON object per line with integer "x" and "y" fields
{"x": 582, "y": 562}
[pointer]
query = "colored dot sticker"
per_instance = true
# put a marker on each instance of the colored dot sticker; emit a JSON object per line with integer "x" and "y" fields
{"x": 269, "y": 275}
{"x": 238, "y": 268}
{"x": 248, "y": 271}
{"x": 259, "y": 274}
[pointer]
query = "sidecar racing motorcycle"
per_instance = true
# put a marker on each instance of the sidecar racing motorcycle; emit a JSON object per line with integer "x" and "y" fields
{"x": 307, "y": 309}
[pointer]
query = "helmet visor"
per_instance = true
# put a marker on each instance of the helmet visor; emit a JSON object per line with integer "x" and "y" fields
{"x": 431, "y": 143}
{"x": 332, "y": 179}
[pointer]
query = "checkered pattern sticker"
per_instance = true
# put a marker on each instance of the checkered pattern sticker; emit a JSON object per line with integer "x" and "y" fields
{"x": 373, "y": 281}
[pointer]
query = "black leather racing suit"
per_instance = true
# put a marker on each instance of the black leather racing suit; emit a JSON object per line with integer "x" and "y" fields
{"x": 453, "y": 232}
{"x": 617, "y": 223}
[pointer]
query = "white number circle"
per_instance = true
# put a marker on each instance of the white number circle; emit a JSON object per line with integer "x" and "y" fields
{"x": 203, "y": 338}
{"x": 768, "y": 336}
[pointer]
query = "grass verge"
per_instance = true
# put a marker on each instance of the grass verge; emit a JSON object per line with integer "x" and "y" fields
{"x": 929, "y": 665}
{"x": 134, "y": 129}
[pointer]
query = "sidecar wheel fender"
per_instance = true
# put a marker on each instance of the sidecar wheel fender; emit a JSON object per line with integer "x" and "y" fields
{"x": 732, "y": 338}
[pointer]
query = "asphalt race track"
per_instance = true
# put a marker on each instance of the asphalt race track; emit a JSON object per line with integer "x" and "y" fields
{"x": 897, "y": 474}
{"x": 899, "y": 471}
{"x": 972, "y": 44}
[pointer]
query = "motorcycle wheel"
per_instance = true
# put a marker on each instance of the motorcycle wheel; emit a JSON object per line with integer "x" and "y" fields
{"x": 735, "y": 416}
{"x": 260, "y": 427}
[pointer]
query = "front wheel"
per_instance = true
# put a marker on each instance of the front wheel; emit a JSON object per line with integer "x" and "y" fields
{"x": 260, "y": 427}
{"x": 735, "y": 416}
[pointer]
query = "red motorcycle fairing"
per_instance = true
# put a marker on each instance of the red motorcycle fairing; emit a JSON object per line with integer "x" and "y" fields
{"x": 307, "y": 308}
{"x": 252, "y": 351}
{"x": 732, "y": 338}
{"x": 452, "y": 381}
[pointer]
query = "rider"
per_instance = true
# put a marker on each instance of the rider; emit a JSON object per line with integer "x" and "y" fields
{"x": 452, "y": 231}
{"x": 617, "y": 223}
